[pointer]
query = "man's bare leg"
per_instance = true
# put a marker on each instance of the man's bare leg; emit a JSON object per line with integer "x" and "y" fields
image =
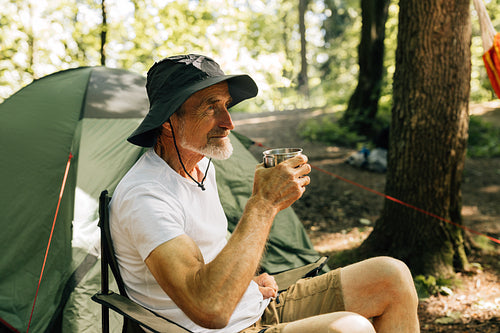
{"x": 336, "y": 322}
{"x": 382, "y": 288}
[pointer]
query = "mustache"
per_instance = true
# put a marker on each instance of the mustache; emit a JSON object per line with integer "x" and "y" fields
{"x": 218, "y": 132}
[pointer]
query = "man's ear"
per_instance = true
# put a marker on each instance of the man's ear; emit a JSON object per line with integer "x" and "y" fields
{"x": 165, "y": 126}
{"x": 166, "y": 129}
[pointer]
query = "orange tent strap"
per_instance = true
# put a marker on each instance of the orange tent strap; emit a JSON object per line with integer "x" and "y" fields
{"x": 68, "y": 163}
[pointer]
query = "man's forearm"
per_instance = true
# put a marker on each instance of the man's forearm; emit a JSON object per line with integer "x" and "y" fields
{"x": 227, "y": 277}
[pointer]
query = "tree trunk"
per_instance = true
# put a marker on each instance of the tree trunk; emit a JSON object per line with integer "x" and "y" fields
{"x": 363, "y": 105}
{"x": 303, "y": 84}
{"x": 104, "y": 30}
{"x": 428, "y": 138}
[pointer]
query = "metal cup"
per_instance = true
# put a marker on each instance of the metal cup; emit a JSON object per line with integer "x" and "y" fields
{"x": 273, "y": 157}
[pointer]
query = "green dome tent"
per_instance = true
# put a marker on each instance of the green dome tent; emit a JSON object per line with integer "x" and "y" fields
{"x": 79, "y": 120}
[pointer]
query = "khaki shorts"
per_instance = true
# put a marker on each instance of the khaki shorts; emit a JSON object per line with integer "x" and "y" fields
{"x": 306, "y": 298}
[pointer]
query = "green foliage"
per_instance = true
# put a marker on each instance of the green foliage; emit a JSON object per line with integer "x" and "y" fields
{"x": 327, "y": 129}
{"x": 484, "y": 139}
{"x": 484, "y": 243}
{"x": 426, "y": 286}
{"x": 430, "y": 286}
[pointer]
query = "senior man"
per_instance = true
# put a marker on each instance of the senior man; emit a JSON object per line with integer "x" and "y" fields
{"x": 169, "y": 229}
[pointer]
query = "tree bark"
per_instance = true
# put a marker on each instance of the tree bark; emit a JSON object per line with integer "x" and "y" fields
{"x": 428, "y": 138}
{"x": 104, "y": 30}
{"x": 363, "y": 104}
{"x": 303, "y": 79}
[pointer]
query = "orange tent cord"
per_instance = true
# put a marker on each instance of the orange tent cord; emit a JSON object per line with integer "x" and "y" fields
{"x": 50, "y": 237}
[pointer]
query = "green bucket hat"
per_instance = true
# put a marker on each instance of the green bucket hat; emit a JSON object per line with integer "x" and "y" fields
{"x": 172, "y": 80}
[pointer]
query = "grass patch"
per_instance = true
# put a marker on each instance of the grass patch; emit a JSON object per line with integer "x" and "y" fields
{"x": 326, "y": 129}
{"x": 484, "y": 139}
{"x": 429, "y": 285}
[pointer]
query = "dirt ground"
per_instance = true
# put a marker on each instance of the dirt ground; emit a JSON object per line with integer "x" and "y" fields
{"x": 339, "y": 215}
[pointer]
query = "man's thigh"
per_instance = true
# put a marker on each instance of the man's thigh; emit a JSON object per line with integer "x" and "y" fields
{"x": 306, "y": 298}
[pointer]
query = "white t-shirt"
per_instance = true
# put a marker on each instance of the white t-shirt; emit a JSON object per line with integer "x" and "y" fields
{"x": 153, "y": 204}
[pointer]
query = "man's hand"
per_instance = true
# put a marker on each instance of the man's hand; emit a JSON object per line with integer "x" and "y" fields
{"x": 267, "y": 285}
{"x": 283, "y": 184}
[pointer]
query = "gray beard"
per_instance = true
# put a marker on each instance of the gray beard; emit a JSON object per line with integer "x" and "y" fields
{"x": 216, "y": 151}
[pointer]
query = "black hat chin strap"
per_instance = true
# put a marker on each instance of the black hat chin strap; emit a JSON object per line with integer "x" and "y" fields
{"x": 200, "y": 185}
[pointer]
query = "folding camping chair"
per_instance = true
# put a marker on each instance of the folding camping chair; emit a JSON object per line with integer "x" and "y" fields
{"x": 136, "y": 316}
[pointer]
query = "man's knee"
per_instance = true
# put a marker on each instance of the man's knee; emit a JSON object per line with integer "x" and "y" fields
{"x": 398, "y": 277}
{"x": 351, "y": 323}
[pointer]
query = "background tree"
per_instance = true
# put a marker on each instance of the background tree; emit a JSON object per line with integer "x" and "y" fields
{"x": 303, "y": 79}
{"x": 428, "y": 138}
{"x": 363, "y": 104}
{"x": 104, "y": 31}
{"x": 341, "y": 27}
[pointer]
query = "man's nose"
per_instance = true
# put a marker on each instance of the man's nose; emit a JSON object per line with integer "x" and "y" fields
{"x": 225, "y": 120}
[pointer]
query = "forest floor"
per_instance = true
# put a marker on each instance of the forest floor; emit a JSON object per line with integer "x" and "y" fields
{"x": 338, "y": 215}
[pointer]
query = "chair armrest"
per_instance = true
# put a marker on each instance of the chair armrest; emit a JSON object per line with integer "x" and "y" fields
{"x": 286, "y": 278}
{"x": 144, "y": 317}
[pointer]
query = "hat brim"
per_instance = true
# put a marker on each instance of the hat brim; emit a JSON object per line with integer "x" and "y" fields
{"x": 241, "y": 87}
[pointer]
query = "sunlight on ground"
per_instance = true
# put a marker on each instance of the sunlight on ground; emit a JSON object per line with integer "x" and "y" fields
{"x": 489, "y": 111}
{"x": 254, "y": 121}
{"x": 485, "y": 223}
{"x": 470, "y": 210}
{"x": 335, "y": 242}
{"x": 267, "y": 117}
{"x": 482, "y": 108}
{"x": 490, "y": 189}
{"x": 476, "y": 298}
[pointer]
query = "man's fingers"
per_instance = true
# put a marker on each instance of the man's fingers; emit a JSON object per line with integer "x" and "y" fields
{"x": 304, "y": 181}
{"x": 268, "y": 292}
{"x": 303, "y": 170}
{"x": 266, "y": 280}
{"x": 296, "y": 160}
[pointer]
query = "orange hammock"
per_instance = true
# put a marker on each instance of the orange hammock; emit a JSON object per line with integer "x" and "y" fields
{"x": 491, "y": 60}
{"x": 491, "y": 46}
